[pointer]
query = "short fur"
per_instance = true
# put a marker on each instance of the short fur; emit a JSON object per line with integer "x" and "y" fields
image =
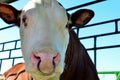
{"x": 78, "y": 63}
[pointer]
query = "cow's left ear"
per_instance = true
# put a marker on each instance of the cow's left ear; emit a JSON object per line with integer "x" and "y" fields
{"x": 81, "y": 17}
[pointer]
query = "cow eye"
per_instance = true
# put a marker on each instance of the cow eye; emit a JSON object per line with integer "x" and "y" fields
{"x": 24, "y": 20}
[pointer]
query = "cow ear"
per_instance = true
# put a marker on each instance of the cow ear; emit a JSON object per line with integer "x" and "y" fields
{"x": 81, "y": 17}
{"x": 9, "y": 14}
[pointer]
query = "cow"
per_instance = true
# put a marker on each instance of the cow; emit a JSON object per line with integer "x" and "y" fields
{"x": 50, "y": 47}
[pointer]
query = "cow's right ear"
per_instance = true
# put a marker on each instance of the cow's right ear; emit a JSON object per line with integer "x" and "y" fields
{"x": 9, "y": 14}
{"x": 80, "y": 17}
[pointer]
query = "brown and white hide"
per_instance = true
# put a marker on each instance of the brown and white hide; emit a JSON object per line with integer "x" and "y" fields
{"x": 51, "y": 49}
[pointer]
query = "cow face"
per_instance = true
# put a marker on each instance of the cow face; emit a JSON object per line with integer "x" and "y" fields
{"x": 44, "y": 35}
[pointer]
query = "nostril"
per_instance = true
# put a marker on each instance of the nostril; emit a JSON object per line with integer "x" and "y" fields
{"x": 56, "y": 58}
{"x": 37, "y": 57}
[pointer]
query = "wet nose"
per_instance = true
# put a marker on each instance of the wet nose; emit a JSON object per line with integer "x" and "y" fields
{"x": 46, "y": 61}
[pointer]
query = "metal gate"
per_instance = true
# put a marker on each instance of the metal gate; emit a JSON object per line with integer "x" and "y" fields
{"x": 12, "y": 54}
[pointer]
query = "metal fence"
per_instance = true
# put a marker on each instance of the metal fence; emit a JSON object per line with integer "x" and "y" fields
{"x": 13, "y": 54}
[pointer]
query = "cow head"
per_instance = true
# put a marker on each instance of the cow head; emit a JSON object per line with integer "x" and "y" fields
{"x": 44, "y": 34}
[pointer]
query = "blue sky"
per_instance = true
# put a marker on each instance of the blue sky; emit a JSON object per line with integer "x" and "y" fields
{"x": 107, "y": 10}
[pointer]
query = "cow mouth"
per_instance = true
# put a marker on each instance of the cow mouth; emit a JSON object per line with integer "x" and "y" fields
{"x": 45, "y": 73}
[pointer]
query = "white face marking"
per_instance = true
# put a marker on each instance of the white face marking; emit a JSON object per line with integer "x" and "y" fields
{"x": 43, "y": 28}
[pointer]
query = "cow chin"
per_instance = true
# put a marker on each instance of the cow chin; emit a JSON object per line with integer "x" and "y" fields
{"x": 33, "y": 66}
{"x": 39, "y": 75}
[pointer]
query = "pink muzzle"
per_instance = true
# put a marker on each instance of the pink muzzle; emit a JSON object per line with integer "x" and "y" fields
{"x": 45, "y": 61}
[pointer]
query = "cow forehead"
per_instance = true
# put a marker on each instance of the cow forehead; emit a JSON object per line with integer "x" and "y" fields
{"x": 42, "y": 5}
{"x": 42, "y": 9}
